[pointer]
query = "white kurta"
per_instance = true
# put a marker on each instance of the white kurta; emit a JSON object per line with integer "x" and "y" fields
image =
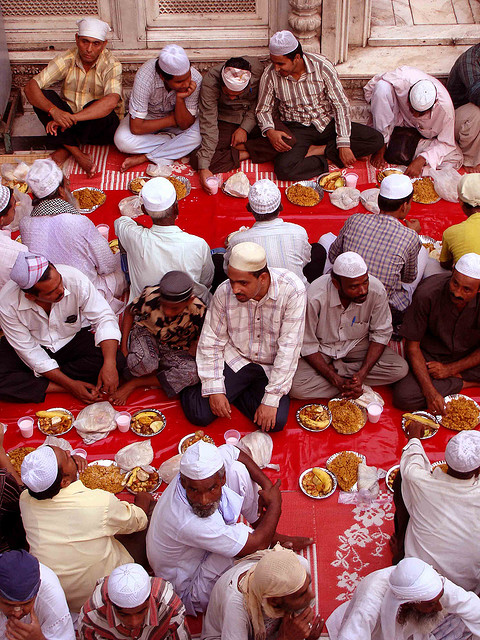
{"x": 9, "y": 250}
{"x": 444, "y": 518}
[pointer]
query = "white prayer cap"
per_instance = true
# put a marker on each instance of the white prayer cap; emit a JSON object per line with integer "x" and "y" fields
{"x": 201, "y": 460}
{"x": 93, "y": 28}
{"x": 414, "y": 580}
{"x": 44, "y": 177}
{"x": 469, "y": 265}
{"x": 282, "y": 42}
{"x": 129, "y": 586}
{"x": 173, "y": 60}
{"x": 349, "y": 265}
{"x": 396, "y": 186}
{"x": 28, "y": 269}
{"x": 422, "y": 95}
{"x": 264, "y": 196}
{"x": 39, "y": 469}
{"x": 157, "y": 195}
{"x": 469, "y": 189}
{"x": 248, "y": 256}
{"x": 462, "y": 452}
{"x": 5, "y": 194}
{"x": 236, "y": 79}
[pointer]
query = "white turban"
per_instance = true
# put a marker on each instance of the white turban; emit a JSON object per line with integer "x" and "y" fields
{"x": 93, "y": 28}
{"x": 412, "y": 580}
{"x": 173, "y": 60}
{"x": 396, "y": 186}
{"x": 248, "y": 256}
{"x": 282, "y": 42}
{"x": 350, "y": 265}
{"x": 39, "y": 469}
{"x": 469, "y": 265}
{"x": 236, "y": 79}
{"x": 158, "y": 194}
{"x": 129, "y": 586}
{"x": 28, "y": 269}
{"x": 422, "y": 95}
{"x": 462, "y": 452}
{"x": 264, "y": 197}
{"x": 5, "y": 194}
{"x": 44, "y": 177}
{"x": 469, "y": 189}
{"x": 201, "y": 460}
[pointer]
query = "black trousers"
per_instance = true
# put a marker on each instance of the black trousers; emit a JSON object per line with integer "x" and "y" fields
{"x": 79, "y": 359}
{"x": 293, "y": 165}
{"x": 100, "y": 131}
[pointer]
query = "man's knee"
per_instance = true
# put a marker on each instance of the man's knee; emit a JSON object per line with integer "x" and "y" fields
{"x": 283, "y": 165}
{"x": 407, "y": 394}
{"x": 382, "y": 91}
{"x": 195, "y": 407}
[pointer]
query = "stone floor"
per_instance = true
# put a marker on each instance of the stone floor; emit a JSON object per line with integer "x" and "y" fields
{"x": 425, "y": 12}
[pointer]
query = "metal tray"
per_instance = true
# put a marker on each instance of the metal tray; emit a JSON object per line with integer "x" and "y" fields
{"x": 334, "y": 485}
{"x": 425, "y": 414}
{"x": 454, "y": 396}
{"x": 354, "y": 487}
{"x": 299, "y": 420}
{"x": 362, "y": 409}
{"x": 63, "y": 432}
{"x": 190, "y": 435}
{"x": 387, "y": 477}
{"x": 326, "y": 174}
{"x": 149, "y": 435}
{"x": 306, "y": 183}
{"x": 93, "y": 208}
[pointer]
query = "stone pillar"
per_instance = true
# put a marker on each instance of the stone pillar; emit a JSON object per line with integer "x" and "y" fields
{"x": 305, "y": 21}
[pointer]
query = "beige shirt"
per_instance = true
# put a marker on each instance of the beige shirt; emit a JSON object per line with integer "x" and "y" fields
{"x": 73, "y": 534}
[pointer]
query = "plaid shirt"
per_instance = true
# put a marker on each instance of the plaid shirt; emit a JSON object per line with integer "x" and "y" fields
{"x": 165, "y": 619}
{"x": 79, "y": 88}
{"x": 389, "y": 249}
{"x": 315, "y": 98}
{"x": 464, "y": 80}
{"x": 268, "y": 332}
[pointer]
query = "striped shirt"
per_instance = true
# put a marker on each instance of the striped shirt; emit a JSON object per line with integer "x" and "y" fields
{"x": 388, "y": 247}
{"x": 268, "y": 332}
{"x": 463, "y": 83}
{"x": 165, "y": 618}
{"x": 79, "y": 86}
{"x": 10, "y": 520}
{"x": 315, "y": 98}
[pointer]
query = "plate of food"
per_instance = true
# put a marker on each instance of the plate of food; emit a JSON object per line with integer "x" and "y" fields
{"x": 347, "y": 416}
{"x": 182, "y": 185}
{"x": 344, "y": 466}
{"x": 103, "y": 474}
{"x": 440, "y": 463}
{"x": 427, "y": 420}
{"x": 136, "y": 184}
{"x": 306, "y": 193}
{"x": 314, "y": 417}
{"x": 461, "y": 413}
{"x": 424, "y": 191}
{"x": 317, "y": 483}
{"x": 383, "y": 173}
{"x": 148, "y": 422}
{"x": 237, "y": 185}
{"x": 89, "y": 198}
{"x": 331, "y": 181}
{"x": 55, "y": 422}
{"x": 17, "y": 456}
{"x": 17, "y": 184}
{"x": 391, "y": 475}
{"x": 113, "y": 244}
{"x": 142, "y": 481}
{"x": 192, "y": 438}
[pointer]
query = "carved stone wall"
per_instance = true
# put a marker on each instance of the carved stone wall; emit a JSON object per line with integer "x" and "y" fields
{"x": 305, "y": 22}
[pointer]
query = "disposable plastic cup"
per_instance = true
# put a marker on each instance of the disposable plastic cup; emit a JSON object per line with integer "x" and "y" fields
{"x": 80, "y": 452}
{"x": 123, "y": 421}
{"x": 232, "y": 436}
{"x": 104, "y": 229}
{"x": 212, "y": 183}
{"x": 25, "y": 424}
{"x": 351, "y": 180}
{"x": 374, "y": 411}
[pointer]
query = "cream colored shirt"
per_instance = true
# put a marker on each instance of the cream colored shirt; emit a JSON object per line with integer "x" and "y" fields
{"x": 73, "y": 534}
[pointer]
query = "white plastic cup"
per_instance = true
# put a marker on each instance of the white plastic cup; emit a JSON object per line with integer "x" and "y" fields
{"x": 374, "y": 411}
{"x": 25, "y": 424}
{"x": 79, "y": 452}
{"x": 104, "y": 229}
{"x": 351, "y": 180}
{"x": 232, "y": 436}
{"x": 123, "y": 421}
{"x": 212, "y": 183}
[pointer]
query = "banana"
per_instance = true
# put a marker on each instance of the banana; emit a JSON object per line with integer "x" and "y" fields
{"x": 324, "y": 480}
{"x": 426, "y": 421}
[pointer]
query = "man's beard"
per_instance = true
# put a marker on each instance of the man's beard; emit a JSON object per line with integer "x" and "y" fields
{"x": 202, "y": 512}
{"x": 423, "y": 622}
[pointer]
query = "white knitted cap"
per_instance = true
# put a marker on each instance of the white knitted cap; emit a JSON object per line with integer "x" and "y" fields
{"x": 201, "y": 460}
{"x": 158, "y": 194}
{"x": 39, "y": 469}
{"x": 469, "y": 265}
{"x": 462, "y": 452}
{"x": 396, "y": 186}
{"x": 248, "y": 256}
{"x": 264, "y": 196}
{"x": 44, "y": 177}
{"x": 468, "y": 188}
{"x": 282, "y": 42}
{"x": 93, "y": 28}
{"x": 350, "y": 265}
{"x": 422, "y": 95}
{"x": 129, "y": 586}
{"x": 4, "y": 197}
{"x": 173, "y": 60}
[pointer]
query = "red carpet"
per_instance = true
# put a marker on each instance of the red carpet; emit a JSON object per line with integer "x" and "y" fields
{"x": 349, "y": 542}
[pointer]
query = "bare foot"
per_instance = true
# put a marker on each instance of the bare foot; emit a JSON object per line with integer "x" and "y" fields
{"x": 468, "y": 383}
{"x": 243, "y": 155}
{"x": 132, "y": 161}
{"x": 475, "y": 169}
{"x": 84, "y": 160}
{"x": 297, "y": 543}
{"x": 60, "y": 155}
{"x": 120, "y": 396}
{"x": 316, "y": 150}
{"x": 377, "y": 159}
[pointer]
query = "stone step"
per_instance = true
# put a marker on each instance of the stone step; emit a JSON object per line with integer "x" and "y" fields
{"x": 424, "y": 35}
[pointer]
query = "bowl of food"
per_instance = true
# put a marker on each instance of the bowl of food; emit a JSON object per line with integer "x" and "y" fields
{"x": 424, "y": 191}
{"x": 306, "y": 193}
{"x": 427, "y": 420}
{"x": 314, "y": 417}
{"x": 391, "y": 475}
{"x": 182, "y": 185}
{"x": 440, "y": 463}
{"x": 55, "y": 422}
{"x": 331, "y": 181}
{"x": 192, "y": 438}
{"x": 383, "y": 173}
{"x": 17, "y": 184}
{"x": 89, "y": 198}
{"x": 103, "y": 474}
{"x": 317, "y": 483}
{"x": 143, "y": 480}
{"x": 347, "y": 416}
{"x": 148, "y": 422}
{"x": 461, "y": 413}
{"x": 136, "y": 184}
{"x": 17, "y": 456}
{"x": 344, "y": 466}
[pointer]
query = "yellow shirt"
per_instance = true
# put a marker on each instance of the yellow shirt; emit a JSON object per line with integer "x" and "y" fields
{"x": 79, "y": 87}
{"x": 461, "y": 238}
{"x": 73, "y": 534}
